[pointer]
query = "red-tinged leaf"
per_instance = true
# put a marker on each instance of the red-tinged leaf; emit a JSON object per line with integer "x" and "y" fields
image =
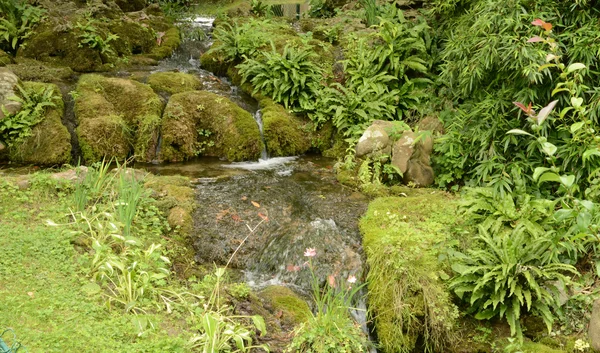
{"x": 255, "y": 204}
{"x": 279, "y": 314}
{"x": 221, "y": 214}
{"x": 293, "y": 268}
{"x": 547, "y": 26}
{"x": 538, "y": 22}
{"x": 331, "y": 281}
{"x": 264, "y": 218}
{"x": 521, "y": 105}
{"x": 236, "y": 218}
{"x": 535, "y": 39}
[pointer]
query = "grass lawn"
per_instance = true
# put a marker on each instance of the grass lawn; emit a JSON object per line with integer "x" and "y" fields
{"x": 42, "y": 292}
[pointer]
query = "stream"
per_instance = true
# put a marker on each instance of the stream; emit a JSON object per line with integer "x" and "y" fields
{"x": 261, "y": 216}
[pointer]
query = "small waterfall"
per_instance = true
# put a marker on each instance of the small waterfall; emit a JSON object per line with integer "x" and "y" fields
{"x": 258, "y": 117}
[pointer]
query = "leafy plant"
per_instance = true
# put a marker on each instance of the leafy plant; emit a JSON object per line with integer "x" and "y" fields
{"x": 237, "y": 40}
{"x": 290, "y": 78}
{"x": 92, "y": 37}
{"x": 15, "y": 128}
{"x": 17, "y": 19}
{"x": 513, "y": 263}
{"x": 130, "y": 191}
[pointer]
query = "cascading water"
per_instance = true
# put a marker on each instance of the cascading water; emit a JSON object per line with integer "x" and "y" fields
{"x": 258, "y": 118}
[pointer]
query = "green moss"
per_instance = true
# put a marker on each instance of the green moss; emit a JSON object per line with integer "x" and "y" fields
{"x": 34, "y": 70}
{"x": 170, "y": 41}
{"x": 532, "y": 347}
{"x": 117, "y": 117}
{"x": 203, "y": 123}
{"x": 284, "y": 133}
{"x": 174, "y": 82}
{"x": 293, "y": 308}
{"x": 215, "y": 62}
{"x": 339, "y": 147}
{"x": 406, "y": 295}
{"x": 50, "y": 141}
{"x": 133, "y": 37}
{"x": 61, "y": 47}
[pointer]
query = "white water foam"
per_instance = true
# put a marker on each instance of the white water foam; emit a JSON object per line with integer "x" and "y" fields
{"x": 262, "y": 164}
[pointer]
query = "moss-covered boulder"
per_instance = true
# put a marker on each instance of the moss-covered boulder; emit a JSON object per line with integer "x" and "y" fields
{"x": 134, "y": 37}
{"x": 173, "y": 82}
{"x": 203, "y": 123}
{"x": 117, "y": 118}
{"x": 214, "y": 61}
{"x": 34, "y": 70}
{"x": 50, "y": 141}
{"x": 293, "y": 309}
{"x": 284, "y": 133}
{"x": 166, "y": 43}
{"x": 407, "y": 298}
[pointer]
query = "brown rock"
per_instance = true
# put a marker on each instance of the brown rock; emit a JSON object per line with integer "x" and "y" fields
{"x": 419, "y": 173}
{"x": 402, "y": 151}
{"x": 8, "y": 83}
{"x": 431, "y": 123}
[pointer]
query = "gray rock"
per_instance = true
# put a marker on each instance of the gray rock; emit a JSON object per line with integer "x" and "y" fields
{"x": 71, "y": 174}
{"x": 8, "y": 83}
{"x": 375, "y": 139}
{"x": 594, "y": 328}
{"x": 431, "y": 123}
{"x": 402, "y": 151}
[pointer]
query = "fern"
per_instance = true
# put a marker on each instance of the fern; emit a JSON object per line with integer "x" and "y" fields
{"x": 15, "y": 128}
{"x": 290, "y": 78}
{"x": 236, "y": 41}
{"x": 516, "y": 259}
{"x": 17, "y": 19}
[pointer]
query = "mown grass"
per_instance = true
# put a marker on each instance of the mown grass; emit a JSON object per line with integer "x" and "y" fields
{"x": 43, "y": 292}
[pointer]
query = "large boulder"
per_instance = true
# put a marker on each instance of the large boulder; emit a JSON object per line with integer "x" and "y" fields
{"x": 285, "y": 134}
{"x": 375, "y": 140}
{"x": 203, "y": 123}
{"x": 402, "y": 151}
{"x": 594, "y": 328}
{"x": 8, "y": 89}
{"x": 49, "y": 142}
{"x": 173, "y": 82}
{"x": 117, "y": 118}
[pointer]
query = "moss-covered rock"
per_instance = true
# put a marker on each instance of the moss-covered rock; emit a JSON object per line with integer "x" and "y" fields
{"x": 117, "y": 117}
{"x": 293, "y": 309}
{"x": 214, "y": 61}
{"x": 134, "y": 37}
{"x": 50, "y": 141}
{"x": 284, "y": 133}
{"x": 203, "y": 123}
{"x": 407, "y": 298}
{"x": 169, "y": 41}
{"x": 34, "y": 70}
{"x": 61, "y": 46}
{"x": 174, "y": 82}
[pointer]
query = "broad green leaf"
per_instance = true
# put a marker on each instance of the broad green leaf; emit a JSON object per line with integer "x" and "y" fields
{"x": 518, "y": 132}
{"x": 549, "y": 148}
{"x": 576, "y": 101}
{"x": 575, "y": 67}
{"x": 549, "y": 177}
{"x": 575, "y": 127}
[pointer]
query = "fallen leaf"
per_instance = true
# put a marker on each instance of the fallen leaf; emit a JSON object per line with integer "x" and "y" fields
{"x": 264, "y": 218}
{"x": 331, "y": 281}
{"x": 236, "y": 218}
{"x": 30, "y": 294}
{"x": 255, "y": 204}
{"x": 279, "y": 314}
{"x": 244, "y": 198}
{"x": 221, "y": 214}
